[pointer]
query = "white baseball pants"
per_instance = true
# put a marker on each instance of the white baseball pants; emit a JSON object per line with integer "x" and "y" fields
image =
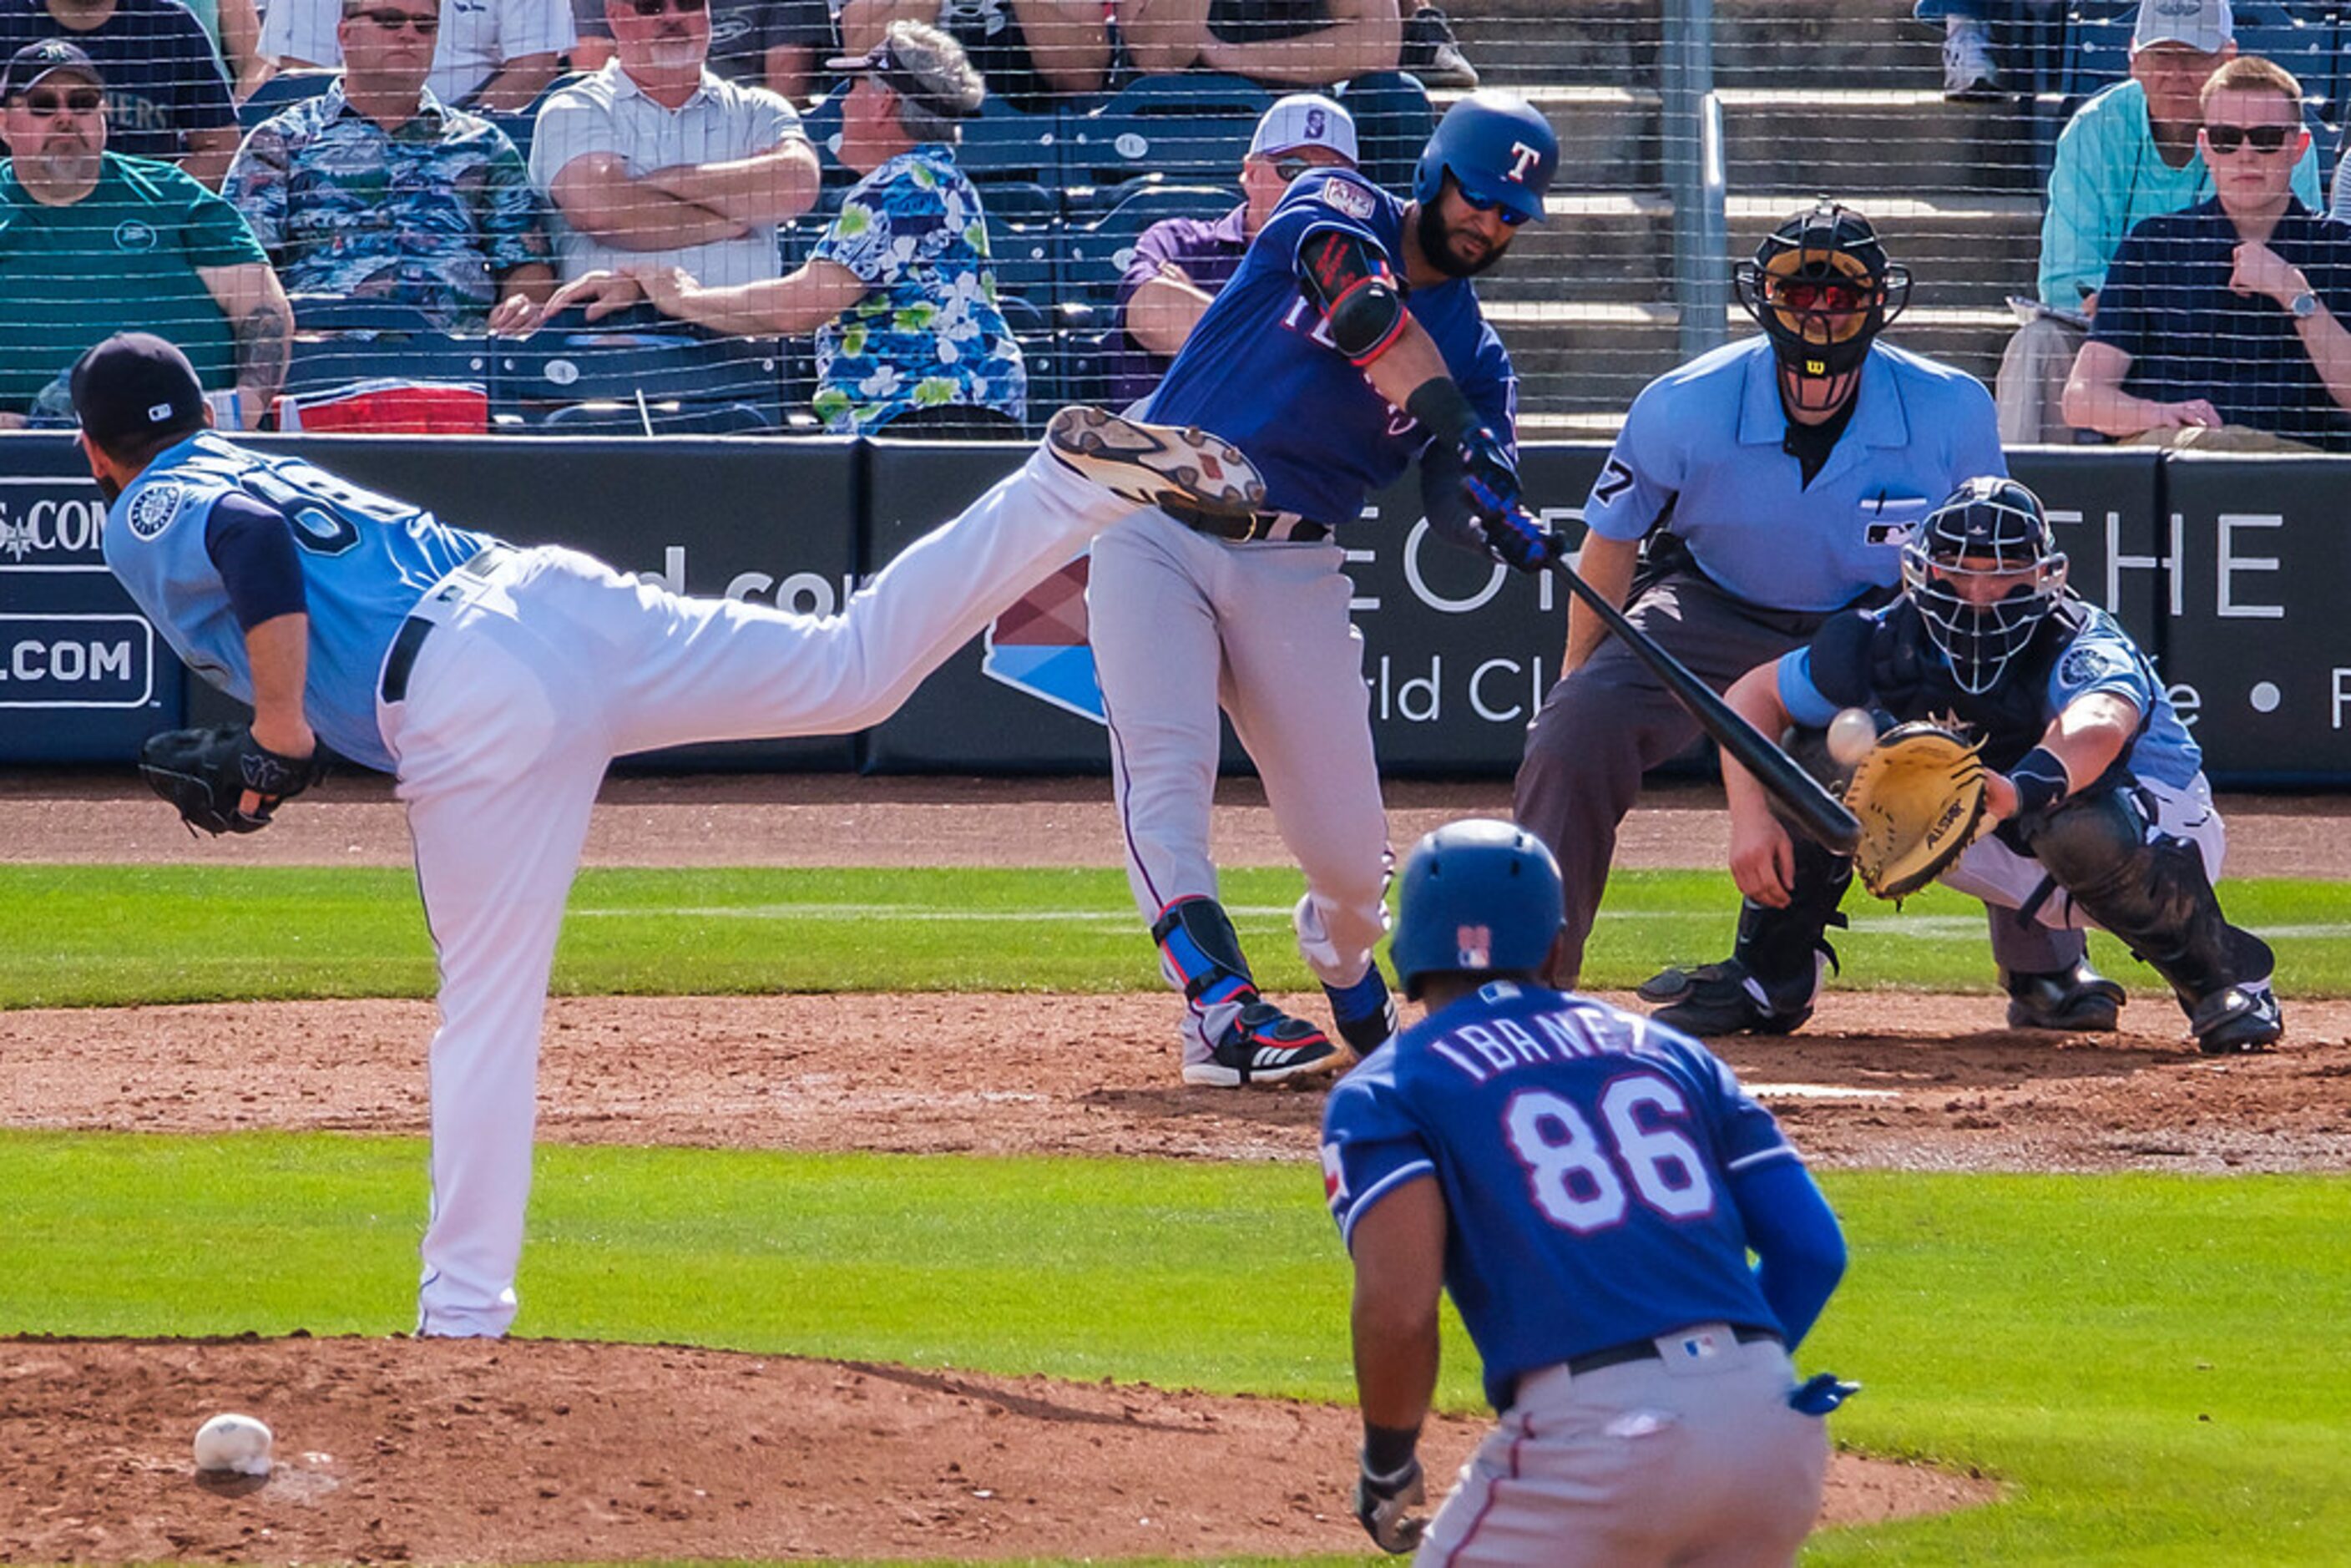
{"x": 531, "y": 681}
{"x": 1183, "y": 623}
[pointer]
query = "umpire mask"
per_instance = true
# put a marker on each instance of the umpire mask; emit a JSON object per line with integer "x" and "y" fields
{"x": 1984, "y": 571}
{"x": 1821, "y": 289}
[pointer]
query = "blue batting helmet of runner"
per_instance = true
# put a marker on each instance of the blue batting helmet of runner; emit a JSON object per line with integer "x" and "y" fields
{"x": 1476, "y": 896}
{"x": 1499, "y": 148}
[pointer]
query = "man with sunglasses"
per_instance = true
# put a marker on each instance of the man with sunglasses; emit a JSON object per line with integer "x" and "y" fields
{"x": 166, "y": 94}
{"x": 1182, "y": 264}
{"x": 2220, "y": 325}
{"x": 486, "y": 54}
{"x": 656, "y": 162}
{"x": 1753, "y": 495}
{"x": 98, "y": 243}
{"x": 1348, "y": 345}
{"x": 375, "y": 190}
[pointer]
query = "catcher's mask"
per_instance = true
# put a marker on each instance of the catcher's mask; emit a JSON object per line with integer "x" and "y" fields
{"x": 1985, "y": 571}
{"x": 1476, "y": 897}
{"x": 1821, "y": 289}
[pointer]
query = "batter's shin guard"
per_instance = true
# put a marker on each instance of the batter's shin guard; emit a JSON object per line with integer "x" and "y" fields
{"x": 2157, "y": 899}
{"x": 1201, "y": 952}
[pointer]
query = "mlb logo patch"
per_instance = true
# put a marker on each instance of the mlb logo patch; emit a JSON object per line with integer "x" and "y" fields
{"x": 1700, "y": 1347}
{"x": 1349, "y": 198}
{"x": 1473, "y": 946}
{"x": 1888, "y": 533}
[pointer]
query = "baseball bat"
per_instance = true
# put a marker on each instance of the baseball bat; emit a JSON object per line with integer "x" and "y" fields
{"x": 1821, "y": 815}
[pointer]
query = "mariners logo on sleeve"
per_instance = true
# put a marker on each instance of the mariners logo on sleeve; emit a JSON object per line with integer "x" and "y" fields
{"x": 152, "y": 509}
{"x": 2087, "y": 660}
{"x": 1348, "y": 198}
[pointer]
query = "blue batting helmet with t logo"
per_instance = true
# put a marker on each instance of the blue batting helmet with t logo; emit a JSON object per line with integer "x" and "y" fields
{"x": 1499, "y": 148}
{"x": 1476, "y": 896}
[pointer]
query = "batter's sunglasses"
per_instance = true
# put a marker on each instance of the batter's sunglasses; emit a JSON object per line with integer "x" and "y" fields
{"x": 390, "y": 21}
{"x": 2260, "y": 138}
{"x": 1517, "y": 217}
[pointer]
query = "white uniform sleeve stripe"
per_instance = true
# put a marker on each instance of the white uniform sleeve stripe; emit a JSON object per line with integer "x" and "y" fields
{"x": 1782, "y": 1151}
{"x": 1379, "y": 1190}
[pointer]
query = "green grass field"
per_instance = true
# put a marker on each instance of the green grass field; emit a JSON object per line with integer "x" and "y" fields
{"x": 2151, "y": 1364}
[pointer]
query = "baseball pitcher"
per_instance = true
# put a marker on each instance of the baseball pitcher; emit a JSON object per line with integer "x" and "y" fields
{"x": 1588, "y": 1186}
{"x": 497, "y": 683}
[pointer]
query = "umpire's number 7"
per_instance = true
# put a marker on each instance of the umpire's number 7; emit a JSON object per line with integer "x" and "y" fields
{"x": 1578, "y": 1174}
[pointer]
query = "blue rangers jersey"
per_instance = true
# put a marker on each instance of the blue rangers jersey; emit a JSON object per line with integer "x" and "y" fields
{"x": 2078, "y": 648}
{"x": 1587, "y": 1157}
{"x": 1261, "y": 370}
{"x": 366, "y": 561}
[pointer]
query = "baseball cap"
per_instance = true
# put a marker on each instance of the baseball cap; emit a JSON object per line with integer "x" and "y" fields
{"x": 132, "y": 383}
{"x": 1304, "y": 119}
{"x": 29, "y": 64}
{"x": 2204, "y": 26}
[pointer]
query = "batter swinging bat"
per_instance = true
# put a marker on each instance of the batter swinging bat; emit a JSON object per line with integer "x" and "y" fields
{"x": 1821, "y": 814}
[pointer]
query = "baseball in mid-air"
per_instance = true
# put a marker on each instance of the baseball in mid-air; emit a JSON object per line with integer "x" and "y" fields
{"x": 1851, "y": 734}
{"x": 235, "y": 1442}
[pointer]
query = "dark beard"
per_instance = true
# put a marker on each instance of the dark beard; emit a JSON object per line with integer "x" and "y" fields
{"x": 1436, "y": 249}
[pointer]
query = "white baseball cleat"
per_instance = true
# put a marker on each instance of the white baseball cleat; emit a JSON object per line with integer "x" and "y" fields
{"x": 1156, "y": 465}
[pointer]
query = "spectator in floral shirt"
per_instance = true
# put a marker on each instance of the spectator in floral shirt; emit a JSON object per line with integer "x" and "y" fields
{"x": 374, "y": 190}
{"x": 898, "y": 290}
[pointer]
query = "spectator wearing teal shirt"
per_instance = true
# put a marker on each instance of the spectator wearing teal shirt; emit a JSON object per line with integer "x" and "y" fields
{"x": 898, "y": 291}
{"x": 92, "y": 243}
{"x": 374, "y": 190}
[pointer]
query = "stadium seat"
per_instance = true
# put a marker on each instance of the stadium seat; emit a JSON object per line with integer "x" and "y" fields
{"x": 2303, "y": 37}
{"x": 322, "y": 362}
{"x": 1024, "y": 240}
{"x": 1392, "y": 120}
{"x": 344, "y": 313}
{"x": 1189, "y": 128}
{"x": 577, "y": 363}
{"x": 1004, "y": 144}
{"x": 280, "y": 93}
{"x": 669, "y": 417}
{"x": 1095, "y": 257}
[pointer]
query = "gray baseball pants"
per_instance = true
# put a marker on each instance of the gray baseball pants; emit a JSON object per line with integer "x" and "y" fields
{"x": 1610, "y": 721}
{"x": 1694, "y": 1460}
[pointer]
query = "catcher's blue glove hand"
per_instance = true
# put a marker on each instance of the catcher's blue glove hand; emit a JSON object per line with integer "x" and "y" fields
{"x": 1381, "y": 1502}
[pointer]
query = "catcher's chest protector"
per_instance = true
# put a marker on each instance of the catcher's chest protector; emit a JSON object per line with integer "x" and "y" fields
{"x": 2011, "y": 717}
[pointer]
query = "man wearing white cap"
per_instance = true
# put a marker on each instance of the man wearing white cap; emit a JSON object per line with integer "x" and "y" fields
{"x": 1179, "y": 263}
{"x": 2127, "y": 154}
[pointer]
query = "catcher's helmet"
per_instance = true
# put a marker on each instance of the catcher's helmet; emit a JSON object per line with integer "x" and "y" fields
{"x": 1985, "y": 571}
{"x": 1477, "y": 896}
{"x": 1821, "y": 289}
{"x": 1499, "y": 148}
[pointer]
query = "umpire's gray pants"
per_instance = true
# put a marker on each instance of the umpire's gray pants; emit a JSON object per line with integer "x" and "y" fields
{"x": 1610, "y": 721}
{"x": 1692, "y": 1459}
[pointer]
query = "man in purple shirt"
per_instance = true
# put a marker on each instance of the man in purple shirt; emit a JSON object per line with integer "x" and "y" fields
{"x": 1181, "y": 263}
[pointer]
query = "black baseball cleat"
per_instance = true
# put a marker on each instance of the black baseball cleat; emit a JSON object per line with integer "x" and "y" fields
{"x": 1264, "y": 1045}
{"x": 1364, "y": 1012}
{"x": 2078, "y": 1000}
{"x": 1722, "y": 998}
{"x": 1156, "y": 465}
{"x": 2236, "y": 1018}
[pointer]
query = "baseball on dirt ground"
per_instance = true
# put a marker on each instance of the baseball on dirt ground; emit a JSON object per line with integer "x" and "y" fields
{"x": 233, "y": 1443}
{"x": 1851, "y": 734}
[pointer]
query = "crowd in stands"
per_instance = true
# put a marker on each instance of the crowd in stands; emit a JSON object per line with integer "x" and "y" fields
{"x": 639, "y": 167}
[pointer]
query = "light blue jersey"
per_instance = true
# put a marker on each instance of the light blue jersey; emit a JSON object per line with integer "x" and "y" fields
{"x": 1587, "y": 1158}
{"x": 1751, "y": 522}
{"x": 366, "y": 561}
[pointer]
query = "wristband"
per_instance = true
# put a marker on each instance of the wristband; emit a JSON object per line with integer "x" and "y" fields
{"x": 1388, "y": 1450}
{"x": 2040, "y": 779}
{"x": 1444, "y": 409}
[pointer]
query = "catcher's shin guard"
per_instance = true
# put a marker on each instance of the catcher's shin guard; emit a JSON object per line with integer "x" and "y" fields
{"x": 1774, "y": 971}
{"x": 1250, "y": 1039}
{"x": 2157, "y": 899}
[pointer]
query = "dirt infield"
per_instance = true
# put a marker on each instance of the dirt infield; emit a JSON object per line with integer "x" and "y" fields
{"x": 395, "y": 1450}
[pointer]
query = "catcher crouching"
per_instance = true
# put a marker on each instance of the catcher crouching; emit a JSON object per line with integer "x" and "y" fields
{"x": 2033, "y": 761}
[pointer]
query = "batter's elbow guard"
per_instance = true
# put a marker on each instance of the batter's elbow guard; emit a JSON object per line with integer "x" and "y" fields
{"x": 1357, "y": 292}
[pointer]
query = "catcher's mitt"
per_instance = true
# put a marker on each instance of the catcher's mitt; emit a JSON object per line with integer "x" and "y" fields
{"x": 205, "y": 774}
{"x": 1920, "y": 794}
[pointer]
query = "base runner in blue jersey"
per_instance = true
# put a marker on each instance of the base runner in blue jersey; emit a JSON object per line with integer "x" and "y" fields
{"x": 1588, "y": 1186}
{"x": 2104, "y": 816}
{"x": 495, "y": 684}
{"x": 1348, "y": 345}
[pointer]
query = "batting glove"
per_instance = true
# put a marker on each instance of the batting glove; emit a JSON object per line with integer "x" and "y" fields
{"x": 1489, "y": 474}
{"x": 1518, "y": 540}
{"x": 1381, "y": 1502}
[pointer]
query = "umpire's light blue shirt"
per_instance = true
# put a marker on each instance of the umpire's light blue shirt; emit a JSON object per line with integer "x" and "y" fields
{"x": 1704, "y": 449}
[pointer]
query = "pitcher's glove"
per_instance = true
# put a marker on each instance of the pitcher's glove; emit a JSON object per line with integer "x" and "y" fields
{"x": 1920, "y": 794}
{"x": 1381, "y": 1502}
{"x": 205, "y": 774}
